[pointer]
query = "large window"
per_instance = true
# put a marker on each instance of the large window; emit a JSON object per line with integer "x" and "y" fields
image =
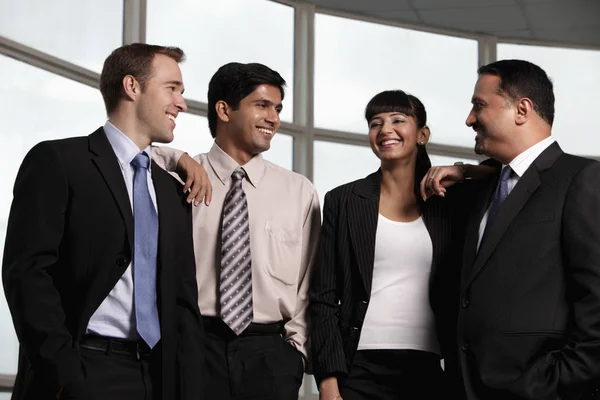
{"x": 355, "y": 60}
{"x": 223, "y": 31}
{"x": 576, "y": 88}
{"x": 42, "y": 106}
{"x": 81, "y": 32}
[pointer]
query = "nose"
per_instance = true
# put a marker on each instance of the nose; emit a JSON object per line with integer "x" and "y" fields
{"x": 180, "y": 104}
{"x": 273, "y": 116}
{"x": 471, "y": 119}
{"x": 387, "y": 126}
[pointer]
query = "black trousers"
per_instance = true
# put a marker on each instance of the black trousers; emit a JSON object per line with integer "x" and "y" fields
{"x": 394, "y": 375}
{"x": 113, "y": 376}
{"x": 257, "y": 365}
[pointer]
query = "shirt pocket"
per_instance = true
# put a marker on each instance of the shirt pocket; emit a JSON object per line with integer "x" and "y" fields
{"x": 282, "y": 253}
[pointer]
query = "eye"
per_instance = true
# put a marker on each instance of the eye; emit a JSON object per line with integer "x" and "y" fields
{"x": 398, "y": 121}
{"x": 278, "y": 109}
{"x": 374, "y": 125}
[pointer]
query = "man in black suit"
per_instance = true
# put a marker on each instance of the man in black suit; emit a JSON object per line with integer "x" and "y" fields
{"x": 528, "y": 325}
{"x": 98, "y": 266}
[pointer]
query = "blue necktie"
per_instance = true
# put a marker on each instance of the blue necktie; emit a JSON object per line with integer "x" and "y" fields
{"x": 144, "y": 254}
{"x": 500, "y": 195}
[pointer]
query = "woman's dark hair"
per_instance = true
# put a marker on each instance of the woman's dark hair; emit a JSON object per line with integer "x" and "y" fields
{"x": 399, "y": 101}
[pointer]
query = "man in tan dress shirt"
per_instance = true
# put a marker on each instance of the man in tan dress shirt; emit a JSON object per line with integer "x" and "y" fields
{"x": 265, "y": 359}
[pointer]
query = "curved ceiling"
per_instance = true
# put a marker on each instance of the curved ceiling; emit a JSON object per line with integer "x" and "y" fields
{"x": 570, "y": 22}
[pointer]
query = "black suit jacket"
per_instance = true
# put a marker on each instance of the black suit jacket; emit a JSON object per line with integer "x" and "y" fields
{"x": 69, "y": 240}
{"x": 529, "y": 319}
{"x": 341, "y": 285}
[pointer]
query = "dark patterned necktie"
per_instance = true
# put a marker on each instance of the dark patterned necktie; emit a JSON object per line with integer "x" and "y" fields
{"x": 500, "y": 196}
{"x": 235, "y": 281}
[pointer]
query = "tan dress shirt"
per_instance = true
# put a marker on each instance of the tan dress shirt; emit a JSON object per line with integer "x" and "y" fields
{"x": 285, "y": 222}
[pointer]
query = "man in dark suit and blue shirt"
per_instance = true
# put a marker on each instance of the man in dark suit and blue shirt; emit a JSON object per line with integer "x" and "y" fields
{"x": 98, "y": 266}
{"x": 528, "y": 320}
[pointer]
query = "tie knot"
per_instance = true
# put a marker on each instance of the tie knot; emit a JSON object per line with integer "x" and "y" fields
{"x": 506, "y": 173}
{"x": 238, "y": 175}
{"x": 141, "y": 160}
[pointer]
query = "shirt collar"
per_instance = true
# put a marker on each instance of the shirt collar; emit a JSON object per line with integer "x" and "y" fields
{"x": 523, "y": 161}
{"x": 123, "y": 146}
{"x": 224, "y": 165}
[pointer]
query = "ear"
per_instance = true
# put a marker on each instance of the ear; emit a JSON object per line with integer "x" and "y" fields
{"x": 423, "y": 135}
{"x": 524, "y": 110}
{"x": 131, "y": 87}
{"x": 223, "y": 110}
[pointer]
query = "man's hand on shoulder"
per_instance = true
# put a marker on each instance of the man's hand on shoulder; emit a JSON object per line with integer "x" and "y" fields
{"x": 438, "y": 179}
{"x": 196, "y": 180}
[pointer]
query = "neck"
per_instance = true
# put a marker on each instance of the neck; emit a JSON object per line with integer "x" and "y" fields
{"x": 398, "y": 178}
{"x": 131, "y": 128}
{"x": 523, "y": 144}
{"x": 233, "y": 151}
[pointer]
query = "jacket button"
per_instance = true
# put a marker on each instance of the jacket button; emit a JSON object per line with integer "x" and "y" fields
{"x": 122, "y": 262}
{"x": 464, "y": 302}
{"x": 464, "y": 347}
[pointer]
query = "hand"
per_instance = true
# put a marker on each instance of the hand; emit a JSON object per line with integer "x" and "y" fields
{"x": 196, "y": 180}
{"x": 329, "y": 390}
{"x": 438, "y": 179}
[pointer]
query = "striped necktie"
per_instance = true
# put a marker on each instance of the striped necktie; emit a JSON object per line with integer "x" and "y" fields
{"x": 235, "y": 283}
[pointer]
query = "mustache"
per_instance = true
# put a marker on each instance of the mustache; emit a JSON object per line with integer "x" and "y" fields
{"x": 477, "y": 127}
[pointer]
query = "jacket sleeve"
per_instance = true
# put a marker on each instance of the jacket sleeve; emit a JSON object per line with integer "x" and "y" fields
{"x": 326, "y": 339}
{"x": 31, "y": 254}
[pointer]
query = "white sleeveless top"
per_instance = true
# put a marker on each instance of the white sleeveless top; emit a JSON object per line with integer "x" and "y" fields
{"x": 399, "y": 315}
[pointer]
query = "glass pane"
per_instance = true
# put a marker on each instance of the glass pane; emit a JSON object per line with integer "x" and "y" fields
{"x": 354, "y": 60}
{"x": 336, "y": 164}
{"x": 576, "y": 78}
{"x": 192, "y": 135}
{"x": 5, "y": 396}
{"x": 56, "y": 108}
{"x": 81, "y": 32}
{"x": 218, "y": 32}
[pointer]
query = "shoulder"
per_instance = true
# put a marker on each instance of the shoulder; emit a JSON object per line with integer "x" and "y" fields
{"x": 367, "y": 183}
{"x": 291, "y": 178}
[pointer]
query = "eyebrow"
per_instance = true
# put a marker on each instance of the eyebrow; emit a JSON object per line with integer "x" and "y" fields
{"x": 475, "y": 99}
{"x": 262, "y": 99}
{"x": 176, "y": 83}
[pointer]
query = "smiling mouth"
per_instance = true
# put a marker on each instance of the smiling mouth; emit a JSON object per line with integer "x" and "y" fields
{"x": 390, "y": 142}
{"x": 171, "y": 117}
{"x": 266, "y": 131}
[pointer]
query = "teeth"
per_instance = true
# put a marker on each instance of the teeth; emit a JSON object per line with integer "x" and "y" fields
{"x": 172, "y": 118}
{"x": 386, "y": 142}
{"x": 263, "y": 130}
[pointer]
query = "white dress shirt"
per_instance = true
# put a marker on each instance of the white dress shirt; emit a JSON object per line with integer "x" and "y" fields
{"x": 519, "y": 165}
{"x": 116, "y": 317}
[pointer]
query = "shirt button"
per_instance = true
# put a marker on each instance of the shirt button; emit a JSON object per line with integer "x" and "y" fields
{"x": 121, "y": 262}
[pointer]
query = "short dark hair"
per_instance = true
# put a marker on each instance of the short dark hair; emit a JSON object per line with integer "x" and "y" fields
{"x": 518, "y": 79}
{"x": 233, "y": 82}
{"x": 133, "y": 59}
{"x": 400, "y": 101}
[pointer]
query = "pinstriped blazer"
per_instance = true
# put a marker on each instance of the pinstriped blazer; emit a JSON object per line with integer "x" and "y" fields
{"x": 341, "y": 284}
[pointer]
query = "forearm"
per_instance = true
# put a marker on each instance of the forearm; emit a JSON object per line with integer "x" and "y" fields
{"x": 166, "y": 157}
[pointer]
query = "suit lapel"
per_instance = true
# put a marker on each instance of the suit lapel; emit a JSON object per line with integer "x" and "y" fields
{"x": 513, "y": 204}
{"x": 472, "y": 230}
{"x": 363, "y": 212}
{"x": 107, "y": 163}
